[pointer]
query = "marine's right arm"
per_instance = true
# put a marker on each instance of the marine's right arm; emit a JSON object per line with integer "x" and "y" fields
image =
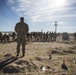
{"x": 16, "y": 28}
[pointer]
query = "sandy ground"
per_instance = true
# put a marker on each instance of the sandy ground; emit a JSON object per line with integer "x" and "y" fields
{"x": 41, "y": 58}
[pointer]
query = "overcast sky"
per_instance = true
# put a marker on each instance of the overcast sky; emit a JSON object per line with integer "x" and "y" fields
{"x": 39, "y": 14}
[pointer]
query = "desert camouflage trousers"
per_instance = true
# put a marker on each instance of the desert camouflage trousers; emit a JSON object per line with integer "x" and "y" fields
{"x": 21, "y": 40}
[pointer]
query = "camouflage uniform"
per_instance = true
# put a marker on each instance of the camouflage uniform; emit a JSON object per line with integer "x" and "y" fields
{"x": 50, "y": 36}
{"x": 22, "y": 29}
{"x": 13, "y": 36}
{"x": 65, "y": 36}
{"x": 75, "y": 36}
{"x": 54, "y": 36}
{"x": 1, "y": 36}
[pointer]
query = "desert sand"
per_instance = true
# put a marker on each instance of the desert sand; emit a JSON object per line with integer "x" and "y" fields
{"x": 41, "y": 58}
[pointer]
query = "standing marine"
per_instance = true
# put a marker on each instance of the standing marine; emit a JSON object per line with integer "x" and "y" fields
{"x": 21, "y": 29}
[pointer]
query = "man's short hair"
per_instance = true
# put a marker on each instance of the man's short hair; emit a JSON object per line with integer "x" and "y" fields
{"x": 22, "y": 18}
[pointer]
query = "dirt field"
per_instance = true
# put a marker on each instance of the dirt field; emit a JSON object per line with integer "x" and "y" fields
{"x": 41, "y": 58}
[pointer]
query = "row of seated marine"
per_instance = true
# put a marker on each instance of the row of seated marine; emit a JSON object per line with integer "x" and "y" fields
{"x": 37, "y": 36}
{"x": 32, "y": 36}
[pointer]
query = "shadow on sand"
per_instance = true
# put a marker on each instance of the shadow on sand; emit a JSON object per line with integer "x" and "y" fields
{"x": 7, "y": 61}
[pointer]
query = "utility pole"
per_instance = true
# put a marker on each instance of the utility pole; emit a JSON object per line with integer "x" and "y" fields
{"x": 56, "y": 26}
